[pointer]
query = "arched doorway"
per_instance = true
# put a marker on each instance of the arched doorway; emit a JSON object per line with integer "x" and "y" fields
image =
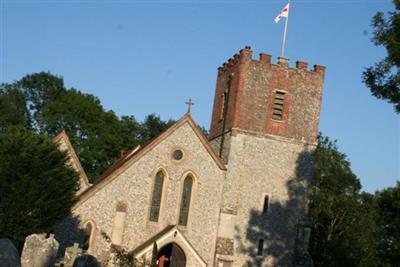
{"x": 171, "y": 255}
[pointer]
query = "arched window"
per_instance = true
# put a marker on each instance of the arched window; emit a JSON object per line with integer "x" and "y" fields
{"x": 185, "y": 202}
{"x": 157, "y": 195}
{"x": 87, "y": 237}
{"x": 260, "y": 247}
{"x": 265, "y": 207}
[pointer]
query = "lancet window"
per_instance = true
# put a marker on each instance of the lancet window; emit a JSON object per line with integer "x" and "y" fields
{"x": 157, "y": 197}
{"x": 260, "y": 247}
{"x": 87, "y": 236}
{"x": 265, "y": 207}
{"x": 185, "y": 201}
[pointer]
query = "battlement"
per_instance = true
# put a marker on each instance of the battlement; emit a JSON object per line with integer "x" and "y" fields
{"x": 246, "y": 55}
{"x": 270, "y": 98}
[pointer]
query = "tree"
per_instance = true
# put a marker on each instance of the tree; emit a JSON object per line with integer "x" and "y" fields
{"x": 37, "y": 187}
{"x": 389, "y": 226}
{"x": 13, "y": 110}
{"x": 97, "y": 135}
{"x": 152, "y": 126}
{"x": 383, "y": 79}
{"x": 343, "y": 219}
{"x": 41, "y": 102}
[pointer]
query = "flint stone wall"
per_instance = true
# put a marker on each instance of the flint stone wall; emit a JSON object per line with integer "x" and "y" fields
{"x": 266, "y": 165}
{"x": 134, "y": 186}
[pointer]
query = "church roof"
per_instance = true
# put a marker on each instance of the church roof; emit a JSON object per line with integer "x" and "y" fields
{"x": 132, "y": 156}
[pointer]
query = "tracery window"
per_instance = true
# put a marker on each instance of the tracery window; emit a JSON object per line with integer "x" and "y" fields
{"x": 185, "y": 202}
{"x": 157, "y": 196}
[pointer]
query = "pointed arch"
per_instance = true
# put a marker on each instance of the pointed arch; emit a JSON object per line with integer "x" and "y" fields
{"x": 88, "y": 239}
{"x": 173, "y": 253}
{"x": 186, "y": 198}
{"x": 157, "y": 194}
{"x": 266, "y": 203}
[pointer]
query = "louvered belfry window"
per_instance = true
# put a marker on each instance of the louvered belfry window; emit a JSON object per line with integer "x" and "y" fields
{"x": 277, "y": 112}
{"x": 157, "y": 196}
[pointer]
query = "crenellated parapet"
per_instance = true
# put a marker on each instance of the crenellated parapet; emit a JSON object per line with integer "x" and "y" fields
{"x": 268, "y": 98}
{"x": 245, "y": 55}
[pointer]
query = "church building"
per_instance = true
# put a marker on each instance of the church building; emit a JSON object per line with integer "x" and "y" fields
{"x": 235, "y": 198}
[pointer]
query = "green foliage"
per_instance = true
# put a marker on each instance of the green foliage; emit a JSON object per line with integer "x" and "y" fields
{"x": 40, "y": 89}
{"x": 123, "y": 258}
{"x": 41, "y": 102}
{"x": 37, "y": 188}
{"x": 152, "y": 126}
{"x": 97, "y": 135}
{"x": 203, "y": 130}
{"x": 349, "y": 227}
{"x": 389, "y": 226}
{"x": 13, "y": 110}
{"x": 343, "y": 219}
{"x": 383, "y": 78}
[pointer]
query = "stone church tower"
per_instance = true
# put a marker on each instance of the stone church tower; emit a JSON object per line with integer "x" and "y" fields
{"x": 264, "y": 126}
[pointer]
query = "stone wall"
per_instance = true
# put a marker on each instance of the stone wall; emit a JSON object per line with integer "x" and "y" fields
{"x": 134, "y": 185}
{"x": 261, "y": 165}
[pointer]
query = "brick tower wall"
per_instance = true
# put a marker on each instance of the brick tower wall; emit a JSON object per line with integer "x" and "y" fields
{"x": 252, "y": 93}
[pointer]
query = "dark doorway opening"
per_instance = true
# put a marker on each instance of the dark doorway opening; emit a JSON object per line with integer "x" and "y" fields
{"x": 171, "y": 255}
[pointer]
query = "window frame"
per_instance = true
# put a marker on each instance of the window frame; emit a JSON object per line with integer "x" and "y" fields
{"x": 265, "y": 206}
{"x": 91, "y": 239}
{"x": 191, "y": 199}
{"x": 260, "y": 247}
{"x": 162, "y": 193}
{"x": 284, "y": 104}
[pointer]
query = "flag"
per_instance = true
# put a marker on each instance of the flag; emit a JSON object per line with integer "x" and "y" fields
{"x": 284, "y": 13}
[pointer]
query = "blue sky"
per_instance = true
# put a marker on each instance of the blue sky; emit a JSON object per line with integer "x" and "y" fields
{"x": 142, "y": 57}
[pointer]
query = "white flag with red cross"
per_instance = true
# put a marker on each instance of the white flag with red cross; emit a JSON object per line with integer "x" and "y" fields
{"x": 283, "y": 14}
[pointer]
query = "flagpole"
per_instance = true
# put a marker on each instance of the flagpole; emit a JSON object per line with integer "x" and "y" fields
{"x": 284, "y": 35}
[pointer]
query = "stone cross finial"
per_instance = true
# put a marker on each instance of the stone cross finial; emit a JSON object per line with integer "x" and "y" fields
{"x": 190, "y": 104}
